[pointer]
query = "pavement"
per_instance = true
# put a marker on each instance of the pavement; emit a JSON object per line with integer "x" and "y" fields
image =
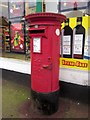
{"x": 17, "y": 103}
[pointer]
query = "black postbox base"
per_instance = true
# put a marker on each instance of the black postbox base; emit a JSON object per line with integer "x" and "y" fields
{"x": 46, "y": 103}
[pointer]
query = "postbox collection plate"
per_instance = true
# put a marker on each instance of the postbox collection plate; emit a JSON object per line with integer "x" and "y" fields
{"x": 37, "y": 45}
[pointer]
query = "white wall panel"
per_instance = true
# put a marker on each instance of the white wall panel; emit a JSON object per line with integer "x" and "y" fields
{"x": 65, "y": 74}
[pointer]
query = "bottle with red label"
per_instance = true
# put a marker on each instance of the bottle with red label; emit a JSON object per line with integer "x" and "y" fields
{"x": 67, "y": 40}
{"x": 79, "y": 39}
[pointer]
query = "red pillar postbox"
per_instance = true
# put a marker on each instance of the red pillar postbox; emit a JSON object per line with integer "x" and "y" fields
{"x": 45, "y": 47}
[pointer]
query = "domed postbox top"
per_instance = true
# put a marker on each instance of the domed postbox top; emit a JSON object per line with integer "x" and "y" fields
{"x": 45, "y": 18}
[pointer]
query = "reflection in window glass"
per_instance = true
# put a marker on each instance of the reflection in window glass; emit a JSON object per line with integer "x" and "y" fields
{"x": 4, "y": 9}
{"x": 16, "y": 8}
{"x": 68, "y": 6}
{"x": 30, "y": 7}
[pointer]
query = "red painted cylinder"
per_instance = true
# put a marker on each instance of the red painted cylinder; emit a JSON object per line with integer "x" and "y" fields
{"x": 44, "y": 32}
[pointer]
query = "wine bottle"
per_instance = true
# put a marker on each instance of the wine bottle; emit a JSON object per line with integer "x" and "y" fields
{"x": 87, "y": 46}
{"x": 67, "y": 40}
{"x": 79, "y": 39}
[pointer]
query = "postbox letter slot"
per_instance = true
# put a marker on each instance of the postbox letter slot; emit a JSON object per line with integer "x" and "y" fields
{"x": 36, "y": 31}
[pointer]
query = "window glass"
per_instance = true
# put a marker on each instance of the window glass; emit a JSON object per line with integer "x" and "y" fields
{"x": 30, "y": 7}
{"x": 68, "y": 6}
{"x": 16, "y": 8}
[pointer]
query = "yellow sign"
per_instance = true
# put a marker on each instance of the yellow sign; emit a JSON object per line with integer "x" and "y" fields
{"x": 75, "y": 63}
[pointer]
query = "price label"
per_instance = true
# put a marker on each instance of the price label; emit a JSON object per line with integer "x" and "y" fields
{"x": 78, "y": 44}
{"x": 66, "y": 45}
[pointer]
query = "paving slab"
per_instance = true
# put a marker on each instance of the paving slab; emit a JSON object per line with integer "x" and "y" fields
{"x": 17, "y": 103}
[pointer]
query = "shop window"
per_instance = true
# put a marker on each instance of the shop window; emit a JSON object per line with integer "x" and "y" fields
{"x": 30, "y": 7}
{"x": 65, "y": 6}
{"x": 16, "y": 9}
{"x": 44, "y": 6}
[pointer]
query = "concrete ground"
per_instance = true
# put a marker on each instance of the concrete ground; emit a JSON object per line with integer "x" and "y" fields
{"x": 16, "y": 103}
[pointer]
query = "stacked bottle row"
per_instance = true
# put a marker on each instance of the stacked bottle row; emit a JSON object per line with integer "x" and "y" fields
{"x": 73, "y": 40}
{"x": 6, "y": 39}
